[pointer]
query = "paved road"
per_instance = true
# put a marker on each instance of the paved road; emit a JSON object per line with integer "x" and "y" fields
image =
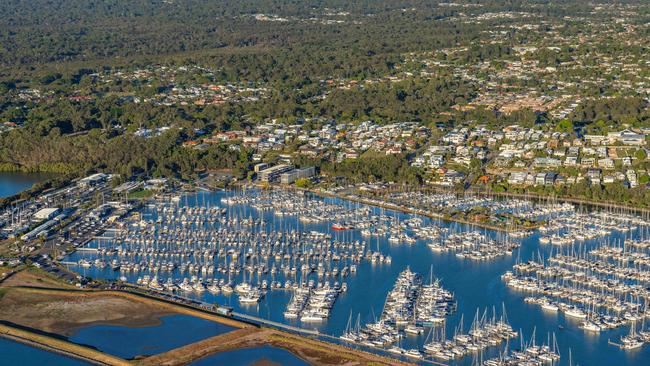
{"x": 276, "y": 324}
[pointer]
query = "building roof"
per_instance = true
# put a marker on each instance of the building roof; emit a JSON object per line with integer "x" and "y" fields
{"x": 46, "y": 213}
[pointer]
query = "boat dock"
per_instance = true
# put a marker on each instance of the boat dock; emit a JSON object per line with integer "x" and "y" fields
{"x": 281, "y": 326}
{"x": 612, "y": 343}
{"x": 86, "y": 249}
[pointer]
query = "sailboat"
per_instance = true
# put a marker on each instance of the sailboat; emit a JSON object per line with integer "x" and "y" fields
{"x": 632, "y": 340}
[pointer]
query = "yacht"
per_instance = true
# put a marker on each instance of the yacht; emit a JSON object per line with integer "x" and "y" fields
{"x": 590, "y": 326}
{"x": 250, "y": 297}
{"x": 226, "y": 289}
{"x": 413, "y": 329}
{"x": 629, "y": 343}
{"x": 214, "y": 288}
{"x": 550, "y": 306}
{"x": 575, "y": 312}
{"x": 413, "y": 353}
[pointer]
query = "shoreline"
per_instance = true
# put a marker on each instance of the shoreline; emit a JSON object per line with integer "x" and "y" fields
{"x": 156, "y": 320}
{"x": 394, "y": 207}
{"x": 171, "y": 308}
{"x": 416, "y": 211}
{"x": 432, "y": 215}
{"x": 59, "y": 346}
{"x": 403, "y": 209}
{"x": 581, "y": 201}
{"x": 312, "y": 351}
{"x": 65, "y": 314}
{"x": 246, "y": 335}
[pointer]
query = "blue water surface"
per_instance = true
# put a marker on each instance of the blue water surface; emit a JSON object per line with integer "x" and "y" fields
{"x": 476, "y": 285}
{"x": 127, "y": 342}
{"x": 14, "y": 353}
{"x": 13, "y": 183}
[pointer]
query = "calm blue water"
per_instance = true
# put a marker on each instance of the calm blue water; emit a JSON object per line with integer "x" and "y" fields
{"x": 12, "y": 183}
{"x": 128, "y": 342}
{"x": 14, "y": 353}
{"x": 476, "y": 285}
{"x": 249, "y": 356}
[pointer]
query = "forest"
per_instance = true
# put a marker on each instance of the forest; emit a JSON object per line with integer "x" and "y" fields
{"x": 329, "y": 59}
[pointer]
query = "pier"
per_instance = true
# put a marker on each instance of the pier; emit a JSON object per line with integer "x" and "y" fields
{"x": 86, "y": 249}
{"x": 610, "y": 342}
{"x": 103, "y": 237}
{"x": 281, "y": 326}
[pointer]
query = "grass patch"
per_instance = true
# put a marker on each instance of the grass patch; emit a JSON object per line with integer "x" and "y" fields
{"x": 33, "y": 276}
{"x": 141, "y": 194}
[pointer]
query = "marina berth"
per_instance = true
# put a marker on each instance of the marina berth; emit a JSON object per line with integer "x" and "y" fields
{"x": 474, "y": 246}
{"x": 528, "y": 354}
{"x": 194, "y": 249}
{"x": 578, "y": 227}
{"x": 455, "y": 205}
{"x": 410, "y": 308}
{"x": 602, "y": 288}
{"x": 484, "y": 332}
{"x": 634, "y": 339}
{"x": 299, "y": 260}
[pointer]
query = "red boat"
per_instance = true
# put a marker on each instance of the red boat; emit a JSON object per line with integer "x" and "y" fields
{"x": 341, "y": 227}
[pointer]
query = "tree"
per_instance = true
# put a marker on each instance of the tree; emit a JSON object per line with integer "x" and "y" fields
{"x": 303, "y": 183}
{"x": 565, "y": 125}
{"x": 644, "y": 179}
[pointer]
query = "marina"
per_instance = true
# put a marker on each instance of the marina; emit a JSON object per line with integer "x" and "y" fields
{"x": 484, "y": 332}
{"x": 326, "y": 274}
{"x": 474, "y": 245}
{"x": 410, "y": 307}
{"x": 529, "y": 354}
{"x": 604, "y": 287}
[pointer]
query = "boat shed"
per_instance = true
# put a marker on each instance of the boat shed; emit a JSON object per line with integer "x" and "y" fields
{"x": 47, "y": 213}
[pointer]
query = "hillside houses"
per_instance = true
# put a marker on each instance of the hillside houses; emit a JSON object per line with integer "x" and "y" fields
{"x": 515, "y": 155}
{"x": 627, "y": 137}
{"x": 523, "y": 156}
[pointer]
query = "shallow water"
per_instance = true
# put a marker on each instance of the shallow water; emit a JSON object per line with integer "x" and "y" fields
{"x": 13, "y": 183}
{"x": 127, "y": 342}
{"x": 14, "y": 353}
{"x": 248, "y": 356}
{"x": 476, "y": 285}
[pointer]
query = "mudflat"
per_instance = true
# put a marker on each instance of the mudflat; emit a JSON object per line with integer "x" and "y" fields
{"x": 313, "y": 351}
{"x": 64, "y": 313}
{"x": 34, "y": 299}
{"x": 33, "y": 277}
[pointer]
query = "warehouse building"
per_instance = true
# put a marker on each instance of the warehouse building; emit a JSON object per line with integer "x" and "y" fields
{"x": 93, "y": 180}
{"x": 294, "y": 175}
{"x": 273, "y": 173}
{"x": 46, "y": 213}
